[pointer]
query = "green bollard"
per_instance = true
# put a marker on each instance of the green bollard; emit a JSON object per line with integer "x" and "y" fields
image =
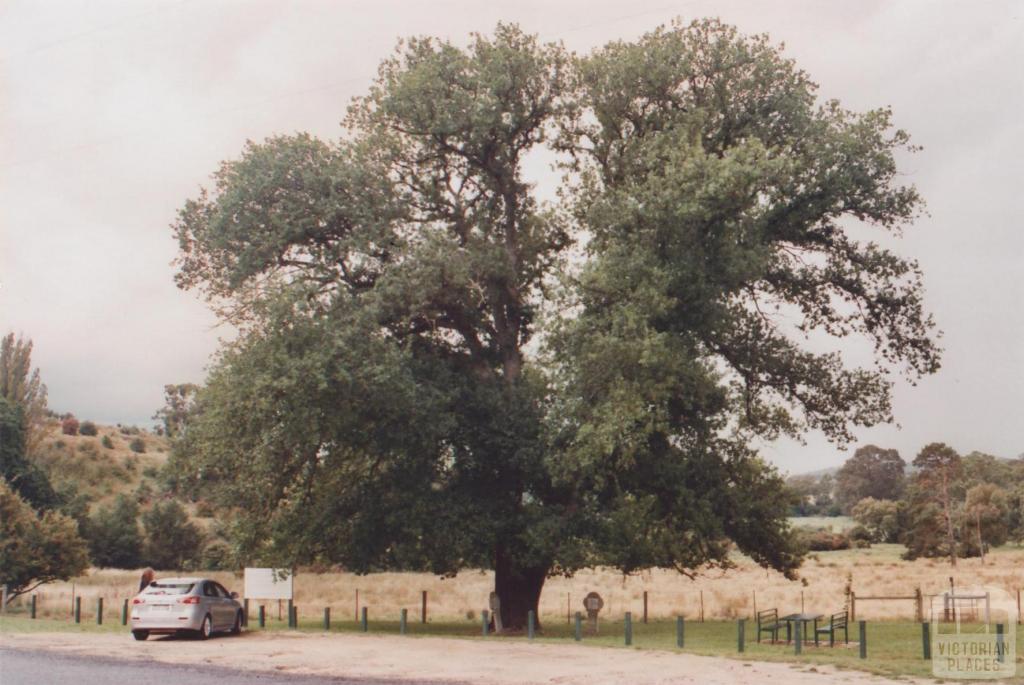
{"x": 578, "y": 634}
{"x": 78, "y": 609}
{"x": 1000, "y": 645}
{"x": 403, "y": 621}
{"x": 863, "y": 639}
{"x": 365, "y": 620}
{"x": 262, "y": 616}
{"x": 485, "y": 617}
{"x": 124, "y": 613}
{"x": 245, "y": 613}
{"x": 798, "y": 639}
{"x": 741, "y": 634}
{"x": 291, "y": 606}
{"x": 926, "y": 642}
{"x": 629, "y": 628}
{"x": 327, "y": 618}
{"x": 33, "y": 608}
{"x": 99, "y": 611}
{"x": 531, "y": 624}
{"x": 295, "y": 617}
{"x": 679, "y": 632}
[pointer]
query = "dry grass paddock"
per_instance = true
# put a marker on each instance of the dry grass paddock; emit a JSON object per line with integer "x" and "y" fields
{"x": 731, "y": 594}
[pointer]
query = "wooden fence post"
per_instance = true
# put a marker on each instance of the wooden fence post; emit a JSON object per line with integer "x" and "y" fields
{"x": 423, "y": 611}
{"x": 701, "y": 606}
{"x": 853, "y": 605}
{"x": 645, "y": 606}
{"x": 919, "y": 603}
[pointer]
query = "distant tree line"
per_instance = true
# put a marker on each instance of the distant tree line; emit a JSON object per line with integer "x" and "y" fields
{"x": 942, "y": 504}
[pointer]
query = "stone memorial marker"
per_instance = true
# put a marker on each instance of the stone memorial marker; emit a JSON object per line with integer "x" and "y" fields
{"x": 593, "y": 604}
{"x": 495, "y": 604}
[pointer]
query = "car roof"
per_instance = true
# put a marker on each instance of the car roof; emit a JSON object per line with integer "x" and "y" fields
{"x": 178, "y": 581}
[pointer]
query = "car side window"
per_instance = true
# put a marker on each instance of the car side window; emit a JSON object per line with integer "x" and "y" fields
{"x": 222, "y": 591}
{"x": 209, "y": 590}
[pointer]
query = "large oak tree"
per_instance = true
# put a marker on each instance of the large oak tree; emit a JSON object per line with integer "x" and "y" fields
{"x": 437, "y": 371}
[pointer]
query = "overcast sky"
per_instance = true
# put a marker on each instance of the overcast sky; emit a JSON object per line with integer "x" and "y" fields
{"x": 113, "y": 113}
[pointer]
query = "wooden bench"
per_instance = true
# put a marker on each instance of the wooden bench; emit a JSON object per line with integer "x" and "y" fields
{"x": 836, "y": 622}
{"x": 768, "y": 622}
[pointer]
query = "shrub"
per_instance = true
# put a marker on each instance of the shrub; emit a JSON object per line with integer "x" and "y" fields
{"x": 114, "y": 537}
{"x": 87, "y": 428}
{"x": 69, "y": 426}
{"x": 137, "y": 445}
{"x": 217, "y": 557}
{"x": 107, "y": 442}
{"x": 171, "y": 539}
{"x": 822, "y": 540}
{"x": 204, "y": 509}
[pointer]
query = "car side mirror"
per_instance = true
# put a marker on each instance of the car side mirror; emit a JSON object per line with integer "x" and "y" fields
{"x": 234, "y": 595}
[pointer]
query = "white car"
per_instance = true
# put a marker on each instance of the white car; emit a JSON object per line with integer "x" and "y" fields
{"x": 197, "y": 606}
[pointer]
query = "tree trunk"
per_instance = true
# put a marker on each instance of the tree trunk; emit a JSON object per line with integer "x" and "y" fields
{"x": 518, "y": 590}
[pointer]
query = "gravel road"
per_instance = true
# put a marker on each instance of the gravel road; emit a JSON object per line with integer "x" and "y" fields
{"x": 38, "y": 667}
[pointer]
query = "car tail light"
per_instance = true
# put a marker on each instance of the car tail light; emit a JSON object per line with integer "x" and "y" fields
{"x": 190, "y": 600}
{"x": 138, "y": 600}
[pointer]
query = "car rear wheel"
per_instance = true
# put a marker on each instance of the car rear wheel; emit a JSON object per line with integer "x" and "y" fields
{"x": 206, "y": 629}
{"x": 140, "y": 634}
{"x": 237, "y": 628}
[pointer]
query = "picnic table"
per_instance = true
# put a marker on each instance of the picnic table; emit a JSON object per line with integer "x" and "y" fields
{"x": 804, "y": 619}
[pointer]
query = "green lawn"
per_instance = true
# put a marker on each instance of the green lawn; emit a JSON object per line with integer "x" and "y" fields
{"x": 894, "y": 648}
{"x": 836, "y": 524}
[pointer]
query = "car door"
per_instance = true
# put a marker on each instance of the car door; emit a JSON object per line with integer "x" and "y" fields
{"x": 230, "y": 607}
{"x": 214, "y": 604}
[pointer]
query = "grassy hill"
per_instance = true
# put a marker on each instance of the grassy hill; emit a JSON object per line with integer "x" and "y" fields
{"x": 103, "y": 466}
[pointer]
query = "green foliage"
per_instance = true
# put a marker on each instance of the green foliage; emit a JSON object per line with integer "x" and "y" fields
{"x": 172, "y": 541}
{"x": 178, "y": 401}
{"x": 813, "y": 496}
{"x": 115, "y": 540}
{"x": 871, "y": 472}
{"x": 21, "y": 474}
{"x": 87, "y": 428}
{"x": 23, "y": 388}
{"x": 884, "y": 520}
{"x": 137, "y": 445}
{"x": 107, "y": 442}
{"x": 36, "y": 549}
{"x": 388, "y": 402}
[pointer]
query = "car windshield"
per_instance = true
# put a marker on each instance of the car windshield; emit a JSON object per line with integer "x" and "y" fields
{"x": 169, "y": 588}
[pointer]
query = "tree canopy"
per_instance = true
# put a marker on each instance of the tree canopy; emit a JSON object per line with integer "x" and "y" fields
{"x": 871, "y": 472}
{"x": 438, "y": 371}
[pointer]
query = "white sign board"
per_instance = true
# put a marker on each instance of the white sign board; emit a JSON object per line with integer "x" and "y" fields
{"x": 268, "y": 583}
